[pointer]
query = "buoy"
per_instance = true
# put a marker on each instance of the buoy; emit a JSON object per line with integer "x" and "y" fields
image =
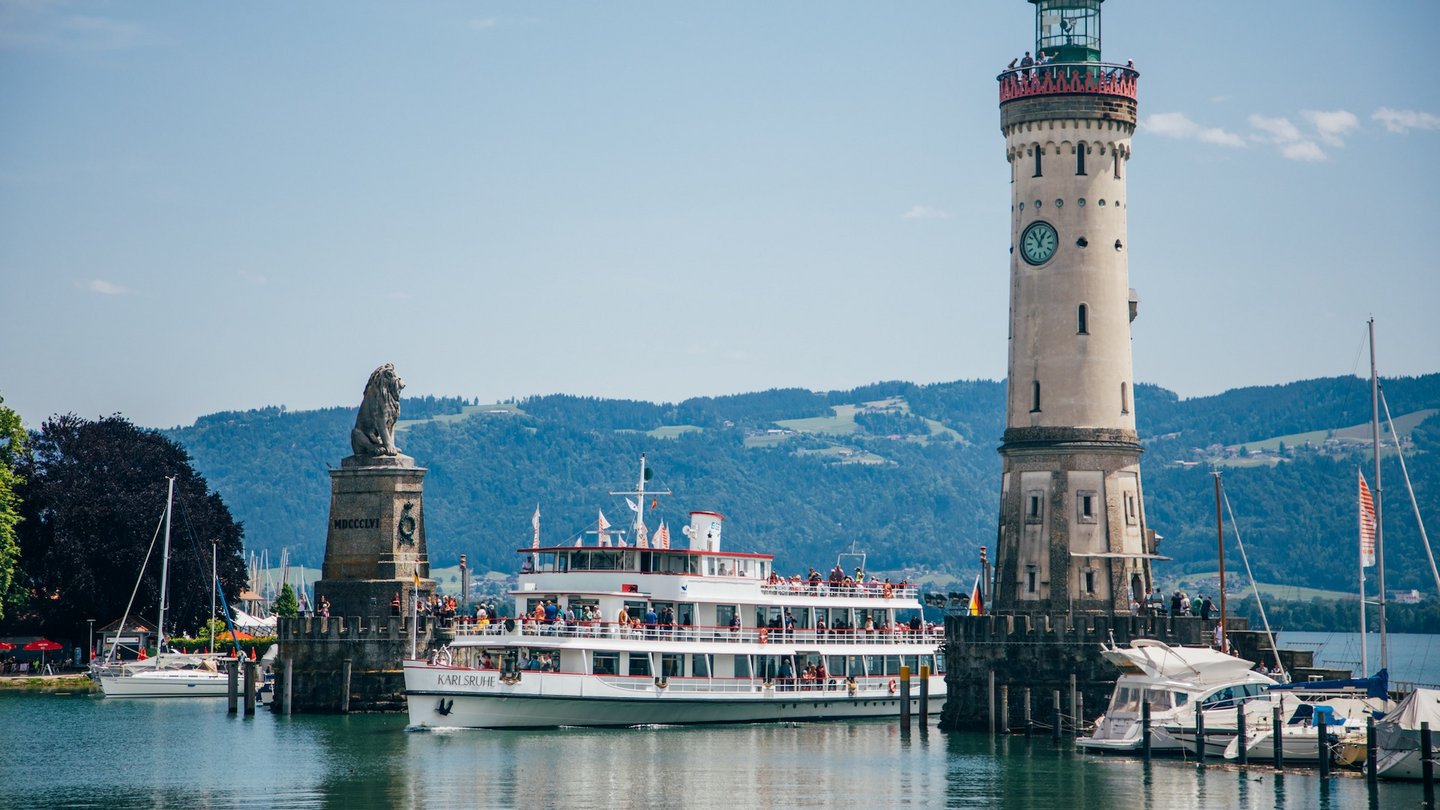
{"x": 892, "y": 686}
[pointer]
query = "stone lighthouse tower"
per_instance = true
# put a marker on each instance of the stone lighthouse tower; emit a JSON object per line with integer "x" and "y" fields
{"x": 1072, "y": 533}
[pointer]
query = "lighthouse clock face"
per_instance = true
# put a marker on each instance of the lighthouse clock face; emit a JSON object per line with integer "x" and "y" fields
{"x": 1038, "y": 243}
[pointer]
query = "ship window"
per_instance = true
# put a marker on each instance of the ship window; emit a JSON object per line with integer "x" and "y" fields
{"x": 607, "y": 663}
{"x": 1181, "y": 698}
{"x": 1037, "y": 162}
{"x": 1080, "y": 159}
{"x": 1082, "y": 320}
{"x": 639, "y": 664}
{"x": 742, "y": 666}
{"x": 700, "y": 666}
{"x": 672, "y": 665}
{"x": 1160, "y": 700}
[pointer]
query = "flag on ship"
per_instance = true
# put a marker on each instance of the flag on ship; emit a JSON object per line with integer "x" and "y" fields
{"x": 662, "y": 536}
{"x": 1367, "y": 525}
{"x": 642, "y": 539}
{"x": 634, "y": 507}
{"x": 535, "y": 521}
{"x": 977, "y": 599}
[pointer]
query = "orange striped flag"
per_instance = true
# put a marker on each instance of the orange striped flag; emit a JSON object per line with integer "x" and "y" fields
{"x": 1367, "y": 525}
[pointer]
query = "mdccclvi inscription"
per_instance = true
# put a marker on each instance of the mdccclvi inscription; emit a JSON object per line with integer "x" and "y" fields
{"x": 356, "y": 523}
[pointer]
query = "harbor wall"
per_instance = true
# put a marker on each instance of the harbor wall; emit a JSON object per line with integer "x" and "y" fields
{"x": 317, "y": 651}
{"x": 1043, "y": 652}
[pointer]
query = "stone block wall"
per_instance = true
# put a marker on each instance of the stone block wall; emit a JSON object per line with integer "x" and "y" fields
{"x": 375, "y": 646}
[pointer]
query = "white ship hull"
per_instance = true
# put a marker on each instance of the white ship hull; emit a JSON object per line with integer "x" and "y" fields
{"x": 455, "y": 697}
{"x": 165, "y": 684}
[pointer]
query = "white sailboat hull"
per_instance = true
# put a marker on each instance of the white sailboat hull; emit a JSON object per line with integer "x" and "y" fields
{"x": 456, "y": 697}
{"x": 165, "y": 684}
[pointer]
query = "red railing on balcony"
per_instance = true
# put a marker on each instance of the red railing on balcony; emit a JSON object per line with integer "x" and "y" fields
{"x": 1069, "y": 78}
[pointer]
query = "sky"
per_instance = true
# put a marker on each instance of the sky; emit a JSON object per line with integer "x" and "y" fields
{"x": 219, "y": 206}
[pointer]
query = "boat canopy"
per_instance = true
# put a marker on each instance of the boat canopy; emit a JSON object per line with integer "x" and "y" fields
{"x": 1376, "y": 686}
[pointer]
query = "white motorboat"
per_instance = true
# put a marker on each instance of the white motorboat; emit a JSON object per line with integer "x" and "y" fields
{"x": 1172, "y": 680}
{"x": 1397, "y": 736}
{"x": 667, "y": 635}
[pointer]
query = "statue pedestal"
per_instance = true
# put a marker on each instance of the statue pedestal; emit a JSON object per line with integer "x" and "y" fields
{"x": 375, "y": 545}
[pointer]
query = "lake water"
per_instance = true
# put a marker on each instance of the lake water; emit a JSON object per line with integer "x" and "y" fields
{"x": 59, "y": 751}
{"x": 1413, "y": 658}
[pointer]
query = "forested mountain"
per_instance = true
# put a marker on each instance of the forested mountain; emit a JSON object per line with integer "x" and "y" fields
{"x": 908, "y": 472}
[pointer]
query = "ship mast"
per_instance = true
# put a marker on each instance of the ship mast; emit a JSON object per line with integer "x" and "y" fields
{"x": 164, "y": 570}
{"x": 1379, "y": 523}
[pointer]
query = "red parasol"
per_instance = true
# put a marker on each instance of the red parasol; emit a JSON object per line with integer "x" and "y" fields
{"x": 42, "y": 645}
{"x": 5, "y": 645}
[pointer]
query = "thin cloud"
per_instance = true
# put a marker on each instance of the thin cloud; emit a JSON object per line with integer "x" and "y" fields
{"x": 1402, "y": 121}
{"x": 1332, "y": 127}
{"x": 484, "y": 23}
{"x": 1179, "y": 125}
{"x": 27, "y": 26}
{"x": 1275, "y": 130}
{"x": 1307, "y": 151}
{"x": 102, "y": 287}
{"x": 926, "y": 212}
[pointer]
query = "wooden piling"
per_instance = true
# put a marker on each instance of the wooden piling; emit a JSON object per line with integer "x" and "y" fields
{"x": 1029, "y": 716}
{"x": 1240, "y": 732}
{"x": 232, "y": 673}
{"x": 287, "y": 702}
{"x": 1279, "y": 756}
{"x": 345, "y": 671}
{"x": 1145, "y": 730}
{"x": 1323, "y": 741}
{"x": 1074, "y": 705}
{"x": 1004, "y": 708}
{"x": 1059, "y": 719}
{"x": 1427, "y": 765}
{"x": 250, "y": 672}
{"x": 924, "y": 695}
{"x": 1199, "y": 735}
{"x": 992, "y": 703}
{"x": 905, "y": 697}
{"x": 1370, "y": 749}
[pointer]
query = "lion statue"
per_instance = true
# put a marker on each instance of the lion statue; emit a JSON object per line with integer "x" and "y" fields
{"x": 374, "y": 433}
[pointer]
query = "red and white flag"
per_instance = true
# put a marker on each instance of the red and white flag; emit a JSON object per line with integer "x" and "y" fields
{"x": 662, "y": 536}
{"x": 535, "y": 521}
{"x": 1367, "y": 525}
{"x": 642, "y": 535}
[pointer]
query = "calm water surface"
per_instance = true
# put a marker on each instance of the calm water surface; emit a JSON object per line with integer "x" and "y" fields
{"x": 92, "y": 752}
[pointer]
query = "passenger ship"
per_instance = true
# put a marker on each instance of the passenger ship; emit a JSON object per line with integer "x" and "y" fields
{"x": 739, "y": 648}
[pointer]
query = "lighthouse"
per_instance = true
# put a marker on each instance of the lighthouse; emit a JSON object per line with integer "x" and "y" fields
{"x": 1072, "y": 535}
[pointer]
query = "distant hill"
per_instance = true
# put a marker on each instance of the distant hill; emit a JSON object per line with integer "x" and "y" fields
{"x": 907, "y": 472}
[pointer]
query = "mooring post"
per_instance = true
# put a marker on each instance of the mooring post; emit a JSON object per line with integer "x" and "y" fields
{"x": 992, "y": 703}
{"x": 1004, "y": 708}
{"x": 1074, "y": 704}
{"x": 1079, "y": 711}
{"x": 1427, "y": 765}
{"x": 1199, "y": 735}
{"x": 250, "y": 671}
{"x": 905, "y": 697}
{"x": 345, "y": 667}
{"x": 1240, "y": 733}
{"x": 287, "y": 706}
{"x": 1278, "y": 757}
{"x": 232, "y": 673}
{"x": 924, "y": 695}
{"x": 1322, "y": 743}
{"x": 1370, "y": 749}
{"x": 1055, "y": 732}
{"x": 1145, "y": 730}
{"x": 1029, "y": 717}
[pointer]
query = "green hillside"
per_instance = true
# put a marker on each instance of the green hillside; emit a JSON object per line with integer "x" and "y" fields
{"x": 908, "y": 472}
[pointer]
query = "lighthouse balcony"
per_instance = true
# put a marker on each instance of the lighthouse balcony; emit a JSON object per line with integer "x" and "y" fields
{"x": 1069, "y": 79}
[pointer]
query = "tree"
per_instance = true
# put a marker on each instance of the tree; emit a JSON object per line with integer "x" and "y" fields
{"x": 12, "y": 447}
{"x": 92, "y": 501}
{"x": 286, "y": 605}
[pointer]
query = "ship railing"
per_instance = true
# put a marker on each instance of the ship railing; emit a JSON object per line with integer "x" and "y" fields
{"x": 530, "y": 628}
{"x": 865, "y": 687}
{"x": 868, "y": 590}
{"x": 1069, "y": 78}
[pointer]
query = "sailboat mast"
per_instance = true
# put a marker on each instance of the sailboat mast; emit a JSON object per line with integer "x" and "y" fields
{"x": 1220, "y": 539}
{"x": 640, "y": 500}
{"x": 165, "y": 569}
{"x": 1379, "y": 522}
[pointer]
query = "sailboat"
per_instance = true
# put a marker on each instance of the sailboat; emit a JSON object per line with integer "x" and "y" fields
{"x": 168, "y": 674}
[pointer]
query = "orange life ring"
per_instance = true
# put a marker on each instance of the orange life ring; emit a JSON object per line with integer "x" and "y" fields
{"x": 892, "y": 686}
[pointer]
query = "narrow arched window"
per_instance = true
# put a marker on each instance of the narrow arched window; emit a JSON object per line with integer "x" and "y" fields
{"x": 1035, "y": 397}
{"x": 1124, "y": 398}
{"x": 1082, "y": 320}
{"x": 1080, "y": 159}
{"x": 1116, "y": 153}
{"x": 1037, "y": 161}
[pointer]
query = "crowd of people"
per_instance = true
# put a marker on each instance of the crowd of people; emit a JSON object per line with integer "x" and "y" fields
{"x": 1180, "y": 603}
{"x": 838, "y": 583}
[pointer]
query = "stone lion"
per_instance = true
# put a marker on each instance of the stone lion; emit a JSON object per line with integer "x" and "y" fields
{"x": 374, "y": 433}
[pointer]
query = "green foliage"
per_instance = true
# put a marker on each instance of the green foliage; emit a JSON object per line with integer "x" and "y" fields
{"x": 286, "y": 605}
{"x": 92, "y": 502}
{"x": 12, "y": 447}
{"x": 1322, "y": 615}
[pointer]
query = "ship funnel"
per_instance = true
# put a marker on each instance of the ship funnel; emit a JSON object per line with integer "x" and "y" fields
{"x": 704, "y": 531}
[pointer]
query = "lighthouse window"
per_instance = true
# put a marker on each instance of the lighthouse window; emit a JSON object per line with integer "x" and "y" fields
{"x": 1080, "y": 159}
{"x": 1033, "y": 505}
{"x": 1090, "y": 580}
{"x": 1085, "y": 503}
{"x": 1117, "y": 164}
{"x": 1035, "y": 397}
{"x": 1080, "y": 202}
{"x": 1037, "y": 163}
{"x": 1082, "y": 320}
{"x": 1124, "y": 398}
{"x": 1059, "y": 203}
{"x": 1030, "y": 579}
